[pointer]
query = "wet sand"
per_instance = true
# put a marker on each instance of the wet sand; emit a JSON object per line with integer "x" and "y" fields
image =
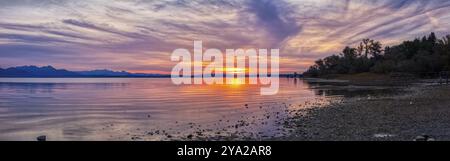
{"x": 421, "y": 110}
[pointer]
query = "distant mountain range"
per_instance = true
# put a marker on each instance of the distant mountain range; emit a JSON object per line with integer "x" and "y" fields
{"x": 49, "y": 71}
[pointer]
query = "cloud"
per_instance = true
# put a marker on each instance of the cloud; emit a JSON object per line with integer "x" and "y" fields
{"x": 141, "y": 34}
{"x": 92, "y": 26}
{"x": 274, "y": 17}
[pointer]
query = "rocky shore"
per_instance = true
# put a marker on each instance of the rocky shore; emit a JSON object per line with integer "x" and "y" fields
{"x": 422, "y": 111}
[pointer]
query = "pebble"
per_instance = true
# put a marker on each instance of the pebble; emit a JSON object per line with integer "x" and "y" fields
{"x": 41, "y": 138}
{"x": 424, "y": 138}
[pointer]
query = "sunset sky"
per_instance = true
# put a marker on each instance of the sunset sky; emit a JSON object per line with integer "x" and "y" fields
{"x": 139, "y": 35}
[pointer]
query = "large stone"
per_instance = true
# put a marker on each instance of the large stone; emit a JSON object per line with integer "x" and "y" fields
{"x": 42, "y": 138}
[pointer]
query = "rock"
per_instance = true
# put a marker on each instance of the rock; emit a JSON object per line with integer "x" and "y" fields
{"x": 424, "y": 138}
{"x": 136, "y": 138}
{"x": 42, "y": 138}
{"x": 420, "y": 138}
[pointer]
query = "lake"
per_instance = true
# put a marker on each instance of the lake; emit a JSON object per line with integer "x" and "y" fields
{"x": 146, "y": 109}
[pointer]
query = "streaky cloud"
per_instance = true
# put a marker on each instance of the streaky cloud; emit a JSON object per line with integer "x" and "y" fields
{"x": 141, "y": 34}
{"x": 274, "y": 17}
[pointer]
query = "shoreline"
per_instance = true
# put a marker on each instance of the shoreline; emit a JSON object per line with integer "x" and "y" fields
{"x": 423, "y": 110}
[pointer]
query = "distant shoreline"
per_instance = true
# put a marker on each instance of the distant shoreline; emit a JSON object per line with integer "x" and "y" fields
{"x": 368, "y": 79}
{"x": 89, "y": 77}
{"x": 162, "y": 76}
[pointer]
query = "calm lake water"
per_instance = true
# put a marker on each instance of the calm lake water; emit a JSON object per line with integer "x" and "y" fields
{"x": 145, "y": 109}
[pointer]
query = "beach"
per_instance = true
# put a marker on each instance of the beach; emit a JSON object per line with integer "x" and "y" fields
{"x": 420, "y": 111}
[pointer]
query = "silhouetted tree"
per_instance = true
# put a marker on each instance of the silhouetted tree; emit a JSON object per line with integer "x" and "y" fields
{"x": 428, "y": 54}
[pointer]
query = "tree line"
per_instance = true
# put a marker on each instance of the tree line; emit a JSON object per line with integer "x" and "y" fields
{"x": 420, "y": 56}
